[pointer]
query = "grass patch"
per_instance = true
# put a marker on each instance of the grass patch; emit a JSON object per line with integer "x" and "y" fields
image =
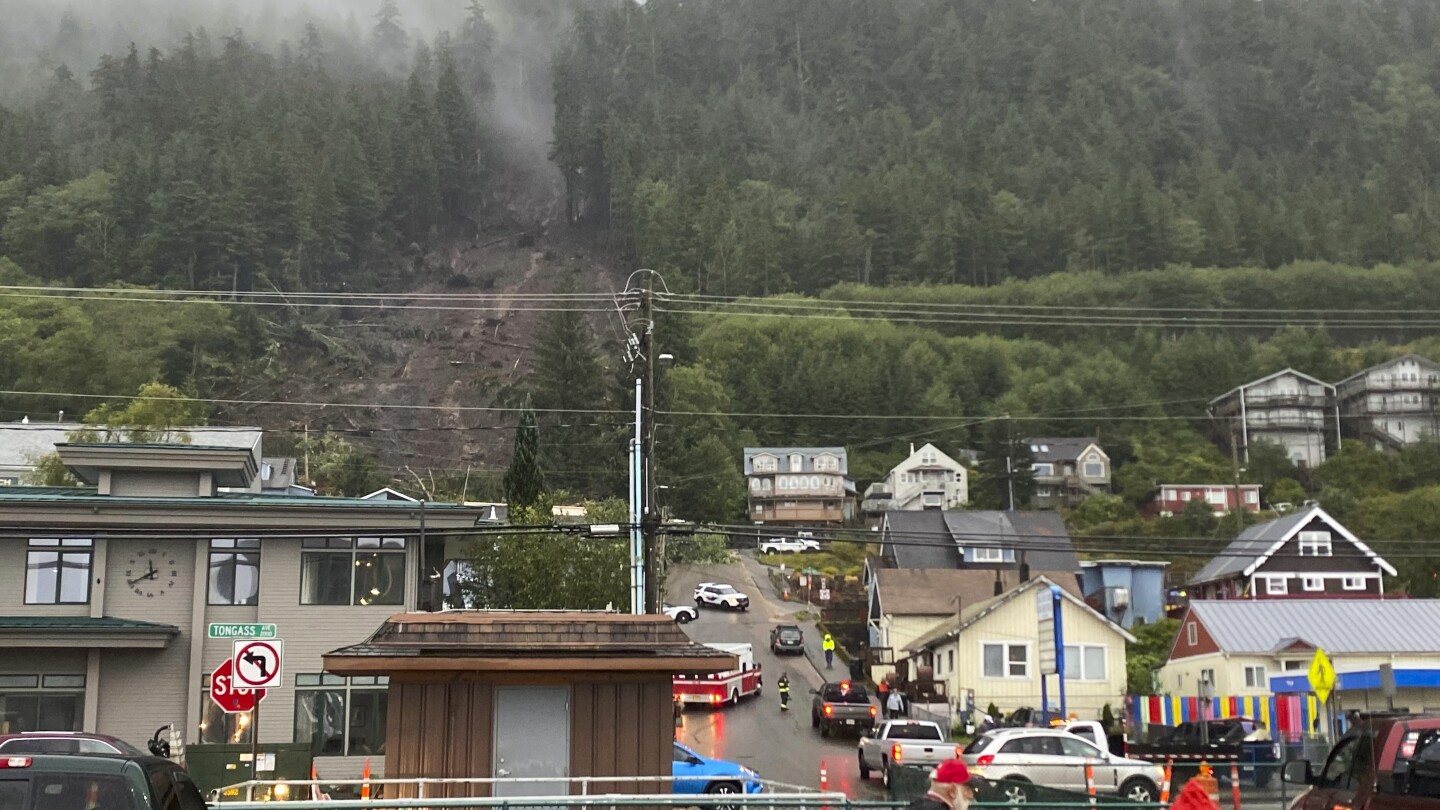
{"x": 837, "y": 560}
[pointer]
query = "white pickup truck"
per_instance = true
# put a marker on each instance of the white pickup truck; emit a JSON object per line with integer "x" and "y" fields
{"x": 904, "y": 742}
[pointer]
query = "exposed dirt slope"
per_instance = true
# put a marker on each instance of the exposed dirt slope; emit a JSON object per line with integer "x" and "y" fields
{"x": 431, "y": 357}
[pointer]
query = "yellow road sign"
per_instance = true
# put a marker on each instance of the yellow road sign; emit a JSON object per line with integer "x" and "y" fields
{"x": 1322, "y": 675}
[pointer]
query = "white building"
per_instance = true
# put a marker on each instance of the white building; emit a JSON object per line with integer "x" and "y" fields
{"x": 1287, "y": 408}
{"x": 1392, "y": 404}
{"x": 927, "y": 479}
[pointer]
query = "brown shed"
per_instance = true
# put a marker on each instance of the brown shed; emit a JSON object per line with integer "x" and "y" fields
{"x": 543, "y": 695}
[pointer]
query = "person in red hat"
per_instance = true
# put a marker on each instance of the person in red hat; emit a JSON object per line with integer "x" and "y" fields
{"x": 950, "y": 788}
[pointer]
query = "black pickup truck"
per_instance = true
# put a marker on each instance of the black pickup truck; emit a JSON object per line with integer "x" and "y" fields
{"x": 1219, "y": 742}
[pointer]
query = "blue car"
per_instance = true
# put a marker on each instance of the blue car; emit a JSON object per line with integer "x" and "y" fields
{"x": 696, "y": 774}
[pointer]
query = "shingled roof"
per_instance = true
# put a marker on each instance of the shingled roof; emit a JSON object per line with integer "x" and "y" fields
{"x": 495, "y": 641}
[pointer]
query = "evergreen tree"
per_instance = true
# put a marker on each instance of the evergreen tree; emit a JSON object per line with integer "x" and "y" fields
{"x": 524, "y": 481}
{"x": 568, "y": 377}
{"x": 388, "y": 35}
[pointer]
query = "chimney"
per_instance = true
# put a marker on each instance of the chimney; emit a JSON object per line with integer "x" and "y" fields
{"x": 999, "y": 583}
{"x": 1024, "y": 568}
{"x": 912, "y": 448}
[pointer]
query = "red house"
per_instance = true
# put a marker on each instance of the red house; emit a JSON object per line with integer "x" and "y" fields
{"x": 1170, "y": 499}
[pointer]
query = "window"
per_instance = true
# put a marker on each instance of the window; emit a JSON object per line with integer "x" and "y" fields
{"x": 797, "y": 462}
{"x": 57, "y": 571}
{"x": 1255, "y": 677}
{"x": 1215, "y": 497}
{"x": 1084, "y": 662}
{"x": 1005, "y": 660}
{"x": 352, "y": 571}
{"x": 764, "y": 464}
{"x": 781, "y": 482}
{"x": 754, "y": 484}
{"x": 234, "y": 572}
{"x": 827, "y": 463}
{"x": 1313, "y": 583}
{"x": 1094, "y": 469}
{"x": 1295, "y": 665}
{"x": 927, "y": 457}
{"x": 1079, "y": 748}
{"x": 1314, "y": 544}
{"x": 988, "y": 555}
{"x": 1042, "y": 469}
{"x": 1251, "y": 496}
{"x": 339, "y": 717}
{"x": 1277, "y": 586}
{"x": 1169, "y": 495}
{"x": 765, "y": 485}
{"x": 41, "y": 703}
{"x": 950, "y": 661}
{"x": 9, "y": 481}
{"x": 1207, "y": 676}
{"x": 1191, "y": 634}
{"x": 1043, "y": 492}
{"x": 1354, "y": 583}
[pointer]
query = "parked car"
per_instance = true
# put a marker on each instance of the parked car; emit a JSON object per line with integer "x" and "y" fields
{"x": 1057, "y": 759}
{"x": 695, "y": 774}
{"x": 684, "y": 614}
{"x": 64, "y": 742}
{"x": 788, "y": 545}
{"x": 787, "y": 638}
{"x": 720, "y": 595}
{"x": 1384, "y": 762}
{"x": 100, "y": 781}
{"x": 904, "y": 742}
{"x": 842, "y": 705}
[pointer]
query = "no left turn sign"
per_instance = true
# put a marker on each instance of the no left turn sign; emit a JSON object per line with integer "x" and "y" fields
{"x": 256, "y": 663}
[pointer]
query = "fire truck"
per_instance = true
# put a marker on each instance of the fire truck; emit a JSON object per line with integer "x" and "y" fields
{"x": 721, "y": 688}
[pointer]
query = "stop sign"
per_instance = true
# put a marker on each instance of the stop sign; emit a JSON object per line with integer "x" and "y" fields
{"x": 231, "y": 698}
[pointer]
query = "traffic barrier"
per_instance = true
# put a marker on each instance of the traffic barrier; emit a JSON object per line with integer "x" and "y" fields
{"x": 1206, "y": 780}
{"x": 1090, "y": 781}
{"x": 1235, "y": 784}
{"x": 824, "y": 783}
{"x": 1165, "y": 788}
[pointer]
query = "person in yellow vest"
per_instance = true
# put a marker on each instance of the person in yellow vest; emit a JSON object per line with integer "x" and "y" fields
{"x": 828, "y": 645}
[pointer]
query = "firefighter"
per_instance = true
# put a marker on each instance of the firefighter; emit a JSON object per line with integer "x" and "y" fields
{"x": 828, "y": 645}
{"x": 783, "y": 687}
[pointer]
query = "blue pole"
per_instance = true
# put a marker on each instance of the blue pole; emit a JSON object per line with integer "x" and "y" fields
{"x": 1059, "y": 646}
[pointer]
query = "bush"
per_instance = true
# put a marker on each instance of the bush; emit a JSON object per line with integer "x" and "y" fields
{"x": 698, "y": 549}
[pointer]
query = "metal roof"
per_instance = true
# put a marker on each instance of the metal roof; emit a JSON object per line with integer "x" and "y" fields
{"x": 22, "y": 443}
{"x": 1338, "y": 626}
{"x": 921, "y": 540}
{"x": 807, "y": 463}
{"x": 1282, "y": 372}
{"x": 1041, "y": 536}
{"x": 222, "y": 499}
{"x": 59, "y": 623}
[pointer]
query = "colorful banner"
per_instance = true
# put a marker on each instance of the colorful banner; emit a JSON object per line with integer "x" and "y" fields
{"x": 1289, "y": 717}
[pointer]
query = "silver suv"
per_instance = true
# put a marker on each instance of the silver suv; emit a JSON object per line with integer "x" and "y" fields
{"x": 1057, "y": 759}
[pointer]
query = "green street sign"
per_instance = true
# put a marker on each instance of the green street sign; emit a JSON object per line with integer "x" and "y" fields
{"x": 242, "y": 631}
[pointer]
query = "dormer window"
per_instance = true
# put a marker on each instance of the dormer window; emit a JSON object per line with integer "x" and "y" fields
{"x": 797, "y": 462}
{"x": 764, "y": 463}
{"x": 827, "y": 463}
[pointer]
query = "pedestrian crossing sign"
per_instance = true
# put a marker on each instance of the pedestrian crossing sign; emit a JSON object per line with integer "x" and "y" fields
{"x": 1322, "y": 675}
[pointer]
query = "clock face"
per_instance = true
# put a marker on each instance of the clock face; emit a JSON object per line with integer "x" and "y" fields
{"x": 151, "y": 572}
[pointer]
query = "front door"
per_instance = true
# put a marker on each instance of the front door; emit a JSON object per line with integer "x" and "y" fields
{"x": 532, "y": 739}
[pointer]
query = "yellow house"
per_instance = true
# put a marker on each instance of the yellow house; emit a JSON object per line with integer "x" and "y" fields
{"x": 992, "y": 653}
{"x": 907, "y": 603}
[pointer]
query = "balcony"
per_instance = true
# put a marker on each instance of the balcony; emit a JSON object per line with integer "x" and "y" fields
{"x": 1285, "y": 400}
{"x": 1272, "y": 422}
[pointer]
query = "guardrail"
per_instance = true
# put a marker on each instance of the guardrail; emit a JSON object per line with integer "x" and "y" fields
{"x": 293, "y": 791}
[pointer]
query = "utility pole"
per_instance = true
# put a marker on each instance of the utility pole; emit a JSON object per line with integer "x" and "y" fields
{"x": 1009, "y": 463}
{"x": 1235, "y": 464}
{"x": 650, "y": 514}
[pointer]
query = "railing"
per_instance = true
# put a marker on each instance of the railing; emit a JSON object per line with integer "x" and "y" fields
{"x": 435, "y": 787}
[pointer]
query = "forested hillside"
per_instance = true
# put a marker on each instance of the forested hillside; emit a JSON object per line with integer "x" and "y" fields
{"x": 753, "y": 147}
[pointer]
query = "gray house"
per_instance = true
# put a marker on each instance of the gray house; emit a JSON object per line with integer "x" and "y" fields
{"x": 1392, "y": 404}
{"x": 799, "y": 486}
{"x": 1067, "y": 470}
{"x": 983, "y": 540}
{"x": 1287, "y": 408}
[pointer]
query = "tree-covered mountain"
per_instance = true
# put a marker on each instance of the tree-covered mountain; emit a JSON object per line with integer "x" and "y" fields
{"x": 754, "y": 147}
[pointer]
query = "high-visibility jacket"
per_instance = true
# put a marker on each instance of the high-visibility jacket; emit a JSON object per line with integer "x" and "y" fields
{"x": 784, "y": 687}
{"x": 828, "y": 643}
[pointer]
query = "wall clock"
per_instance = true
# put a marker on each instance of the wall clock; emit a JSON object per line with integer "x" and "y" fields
{"x": 151, "y": 572}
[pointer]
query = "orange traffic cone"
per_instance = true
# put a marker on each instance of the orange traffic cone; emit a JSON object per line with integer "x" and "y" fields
{"x": 365, "y": 783}
{"x": 314, "y": 784}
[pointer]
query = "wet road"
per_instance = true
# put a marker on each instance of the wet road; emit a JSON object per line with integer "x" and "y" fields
{"x": 782, "y": 747}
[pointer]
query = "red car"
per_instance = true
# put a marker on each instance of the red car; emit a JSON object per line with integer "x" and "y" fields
{"x": 64, "y": 742}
